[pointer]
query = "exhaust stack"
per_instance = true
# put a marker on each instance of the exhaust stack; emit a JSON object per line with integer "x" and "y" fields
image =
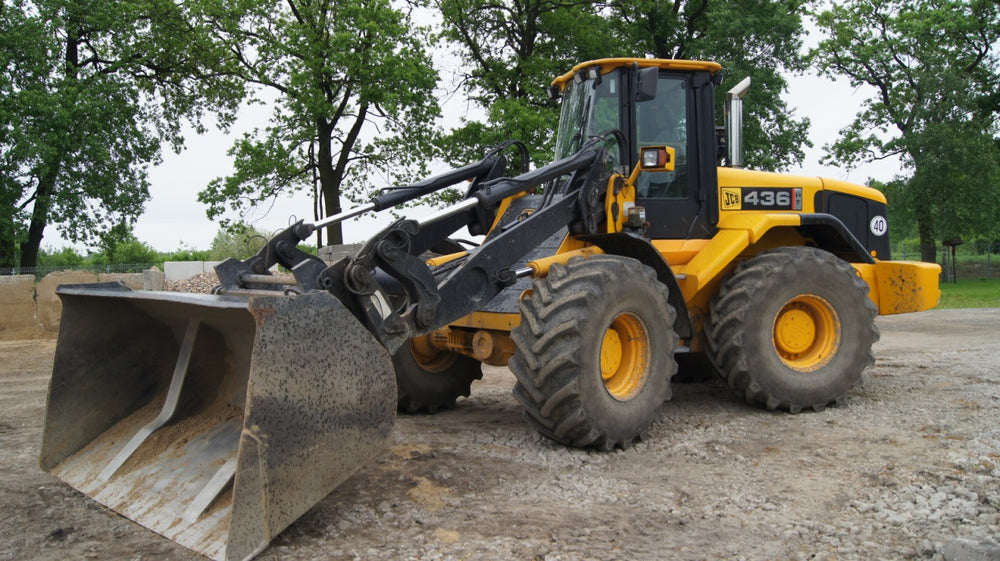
{"x": 734, "y": 123}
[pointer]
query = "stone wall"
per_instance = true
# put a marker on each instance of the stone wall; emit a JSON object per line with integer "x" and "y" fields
{"x": 29, "y": 311}
{"x": 17, "y": 307}
{"x": 48, "y": 303}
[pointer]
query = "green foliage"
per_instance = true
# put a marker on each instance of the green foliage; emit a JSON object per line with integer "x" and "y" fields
{"x": 119, "y": 246}
{"x": 133, "y": 252}
{"x": 761, "y": 39}
{"x": 514, "y": 48}
{"x": 934, "y": 73}
{"x": 983, "y": 245}
{"x": 186, "y": 254}
{"x": 355, "y": 92}
{"x": 239, "y": 241}
{"x": 89, "y": 90}
{"x": 511, "y": 51}
{"x": 66, "y": 257}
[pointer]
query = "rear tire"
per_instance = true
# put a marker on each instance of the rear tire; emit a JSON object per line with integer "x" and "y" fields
{"x": 595, "y": 352}
{"x": 429, "y": 380}
{"x": 792, "y": 328}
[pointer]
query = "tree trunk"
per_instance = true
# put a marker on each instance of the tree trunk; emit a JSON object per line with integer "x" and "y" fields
{"x": 928, "y": 248}
{"x": 39, "y": 219}
{"x": 331, "y": 176}
{"x": 329, "y": 182}
{"x": 40, "y": 214}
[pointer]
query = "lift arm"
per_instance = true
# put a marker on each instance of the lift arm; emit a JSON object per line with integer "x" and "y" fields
{"x": 392, "y": 291}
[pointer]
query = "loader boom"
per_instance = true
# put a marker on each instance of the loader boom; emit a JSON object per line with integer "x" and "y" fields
{"x": 394, "y": 293}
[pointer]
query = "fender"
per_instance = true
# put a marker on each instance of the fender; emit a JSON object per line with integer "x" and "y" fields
{"x": 641, "y": 250}
{"x": 832, "y": 235}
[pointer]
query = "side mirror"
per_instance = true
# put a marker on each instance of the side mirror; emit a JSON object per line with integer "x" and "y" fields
{"x": 645, "y": 84}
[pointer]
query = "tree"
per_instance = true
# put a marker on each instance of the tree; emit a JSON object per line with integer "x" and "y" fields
{"x": 239, "y": 241}
{"x": 89, "y": 91}
{"x": 355, "y": 92}
{"x": 761, "y": 39}
{"x": 119, "y": 246}
{"x": 66, "y": 258}
{"x": 932, "y": 67}
{"x": 512, "y": 50}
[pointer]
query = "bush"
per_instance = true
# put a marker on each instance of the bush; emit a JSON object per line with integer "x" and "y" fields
{"x": 239, "y": 242}
{"x": 66, "y": 257}
{"x": 187, "y": 254}
{"x": 132, "y": 252}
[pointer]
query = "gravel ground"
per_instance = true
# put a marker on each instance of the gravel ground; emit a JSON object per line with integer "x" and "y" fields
{"x": 907, "y": 468}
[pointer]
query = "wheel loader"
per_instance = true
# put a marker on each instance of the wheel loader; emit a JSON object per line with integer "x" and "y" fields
{"x": 217, "y": 420}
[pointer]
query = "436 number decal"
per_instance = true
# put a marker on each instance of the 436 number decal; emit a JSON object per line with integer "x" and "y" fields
{"x": 761, "y": 198}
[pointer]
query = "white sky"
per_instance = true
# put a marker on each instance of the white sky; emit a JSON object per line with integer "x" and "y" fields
{"x": 174, "y": 218}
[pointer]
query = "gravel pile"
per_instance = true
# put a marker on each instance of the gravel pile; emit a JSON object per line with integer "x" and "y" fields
{"x": 200, "y": 284}
{"x": 206, "y": 282}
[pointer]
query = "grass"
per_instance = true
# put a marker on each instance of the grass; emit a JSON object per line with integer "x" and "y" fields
{"x": 970, "y": 293}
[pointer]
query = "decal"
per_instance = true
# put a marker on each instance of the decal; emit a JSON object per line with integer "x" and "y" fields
{"x": 761, "y": 198}
{"x": 879, "y": 226}
{"x": 731, "y": 199}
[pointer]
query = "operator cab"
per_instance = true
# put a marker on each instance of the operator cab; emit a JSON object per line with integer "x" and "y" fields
{"x": 652, "y": 102}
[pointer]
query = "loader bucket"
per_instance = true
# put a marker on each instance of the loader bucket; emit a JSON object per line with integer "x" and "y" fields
{"x": 215, "y": 421}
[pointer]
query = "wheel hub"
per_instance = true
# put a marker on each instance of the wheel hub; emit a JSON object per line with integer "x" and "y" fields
{"x": 625, "y": 356}
{"x": 429, "y": 357}
{"x": 795, "y": 331}
{"x": 806, "y": 333}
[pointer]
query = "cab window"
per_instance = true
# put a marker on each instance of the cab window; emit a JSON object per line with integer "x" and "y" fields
{"x": 663, "y": 121}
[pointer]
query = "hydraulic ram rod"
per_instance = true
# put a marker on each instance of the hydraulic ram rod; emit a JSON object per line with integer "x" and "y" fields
{"x": 398, "y": 195}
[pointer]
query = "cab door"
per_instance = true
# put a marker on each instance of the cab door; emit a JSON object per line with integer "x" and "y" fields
{"x": 677, "y": 202}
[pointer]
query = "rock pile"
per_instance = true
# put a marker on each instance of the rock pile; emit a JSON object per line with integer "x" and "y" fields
{"x": 201, "y": 284}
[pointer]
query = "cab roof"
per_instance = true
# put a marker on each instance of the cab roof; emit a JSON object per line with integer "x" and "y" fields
{"x": 608, "y": 64}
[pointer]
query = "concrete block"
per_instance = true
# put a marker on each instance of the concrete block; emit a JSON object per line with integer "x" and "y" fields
{"x": 49, "y": 305}
{"x": 152, "y": 279}
{"x": 17, "y": 307}
{"x": 131, "y": 280}
{"x": 180, "y": 270}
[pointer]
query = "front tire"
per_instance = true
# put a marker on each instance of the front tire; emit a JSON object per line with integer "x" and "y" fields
{"x": 595, "y": 352}
{"x": 792, "y": 328}
{"x": 428, "y": 379}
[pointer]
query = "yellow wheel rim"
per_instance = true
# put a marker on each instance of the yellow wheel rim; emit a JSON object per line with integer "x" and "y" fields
{"x": 806, "y": 333}
{"x": 625, "y": 356}
{"x": 429, "y": 357}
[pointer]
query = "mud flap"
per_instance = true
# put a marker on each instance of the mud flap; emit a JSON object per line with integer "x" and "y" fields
{"x": 215, "y": 421}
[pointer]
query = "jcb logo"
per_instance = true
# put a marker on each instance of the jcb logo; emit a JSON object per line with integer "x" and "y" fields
{"x": 731, "y": 199}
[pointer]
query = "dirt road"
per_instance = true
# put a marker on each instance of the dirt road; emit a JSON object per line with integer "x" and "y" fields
{"x": 907, "y": 468}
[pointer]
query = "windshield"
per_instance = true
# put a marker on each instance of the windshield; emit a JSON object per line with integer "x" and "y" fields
{"x": 589, "y": 107}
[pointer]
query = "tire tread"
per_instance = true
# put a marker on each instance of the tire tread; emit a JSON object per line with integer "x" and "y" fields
{"x": 727, "y": 318}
